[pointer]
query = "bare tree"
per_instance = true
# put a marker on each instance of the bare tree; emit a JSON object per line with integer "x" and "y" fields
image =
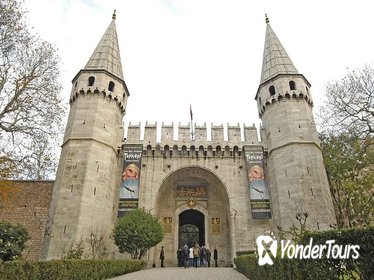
{"x": 97, "y": 242}
{"x": 296, "y": 232}
{"x": 350, "y": 103}
{"x": 31, "y": 110}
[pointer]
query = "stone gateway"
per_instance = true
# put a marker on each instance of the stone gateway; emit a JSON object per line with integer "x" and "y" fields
{"x": 215, "y": 187}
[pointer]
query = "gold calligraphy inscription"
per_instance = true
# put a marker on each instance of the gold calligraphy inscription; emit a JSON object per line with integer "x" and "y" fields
{"x": 216, "y": 226}
{"x": 168, "y": 224}
{"x": 192, "y": 191}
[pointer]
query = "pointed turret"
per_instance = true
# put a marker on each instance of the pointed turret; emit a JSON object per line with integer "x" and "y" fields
{"x": 275, "y": 59}
{"x": 296, "y": 175}
{"x": 86, "y": 182}
{"x": 106, "y": 55}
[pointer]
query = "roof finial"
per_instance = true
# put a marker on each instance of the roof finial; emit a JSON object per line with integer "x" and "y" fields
{"x": 114, "y": 15}
{"x": 267, "y": 19}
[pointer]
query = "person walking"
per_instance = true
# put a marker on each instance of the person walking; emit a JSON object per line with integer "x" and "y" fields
{"x": 180, "y": 257}
{"x": 203, "y": 256}
{"x": 208, "y": 255}
{"x": 190, "y": 263}
{"x": 162, "y": 256}
{"x": 186, "y": 253}
{"x": 215, "y": 256}
{"x": 196, "y": 254}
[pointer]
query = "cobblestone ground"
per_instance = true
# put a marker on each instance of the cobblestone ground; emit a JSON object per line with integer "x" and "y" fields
{"x": 180, "y": 273}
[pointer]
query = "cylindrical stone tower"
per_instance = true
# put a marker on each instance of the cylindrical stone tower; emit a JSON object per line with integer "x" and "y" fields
{"x": 85, "y": 189}
{"x": 296, "y": 174}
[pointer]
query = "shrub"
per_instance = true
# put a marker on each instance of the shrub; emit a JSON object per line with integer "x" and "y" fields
{"x": 137, "y": 232}
{"x": 68, "y": 269}
{"x": 324, "y": 268}
{"x": 12, "y": 241}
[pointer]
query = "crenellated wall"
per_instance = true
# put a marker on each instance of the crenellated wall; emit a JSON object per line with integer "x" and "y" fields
{"x": 211, "y": 138}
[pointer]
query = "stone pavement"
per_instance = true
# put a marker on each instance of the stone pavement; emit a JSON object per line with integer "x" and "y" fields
{"x": 180, "y": 273}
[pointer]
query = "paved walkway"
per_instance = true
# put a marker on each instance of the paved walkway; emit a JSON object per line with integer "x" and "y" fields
{"x": 180, "y": 273}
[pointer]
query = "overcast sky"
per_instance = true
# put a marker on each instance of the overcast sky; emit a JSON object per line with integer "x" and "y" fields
{"x": 207, "y": 53}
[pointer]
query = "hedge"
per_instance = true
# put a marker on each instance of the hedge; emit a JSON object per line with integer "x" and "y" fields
{"x": 324, "y": 268}
{"x": 68, "y": 269}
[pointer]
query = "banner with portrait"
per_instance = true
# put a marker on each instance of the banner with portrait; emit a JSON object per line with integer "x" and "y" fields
{"x": 130, "y": 178}
{"x": 257, "y": 184}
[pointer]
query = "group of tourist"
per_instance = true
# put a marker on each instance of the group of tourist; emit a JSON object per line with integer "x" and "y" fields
{"x": 196, "y": 256}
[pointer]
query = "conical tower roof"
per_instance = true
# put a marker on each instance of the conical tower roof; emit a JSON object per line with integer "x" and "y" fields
{"x": 275, "y": 59}
{"x": 106, "y": 56}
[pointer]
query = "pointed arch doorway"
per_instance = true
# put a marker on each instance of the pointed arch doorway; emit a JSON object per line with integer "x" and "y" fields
{"x": 191, "y": 228}
{"x": 187, "y": 217}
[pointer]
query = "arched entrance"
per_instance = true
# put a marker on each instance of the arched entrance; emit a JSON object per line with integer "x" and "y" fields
{"x": 191, "y": 228}
{"x": 192, "y": 203}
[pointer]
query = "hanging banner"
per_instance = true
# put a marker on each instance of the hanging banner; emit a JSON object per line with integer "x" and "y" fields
{"x": 258, "y": 188}
{"x": 130, "y": 182}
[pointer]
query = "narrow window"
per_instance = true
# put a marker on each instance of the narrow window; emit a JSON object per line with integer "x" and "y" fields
{"x": 292, "y": 85}
{"x": 272, "y": 90}
{"x": 91, "y": 81}
{"x": 111, "y": 86}
{"x": 307, "y": 89}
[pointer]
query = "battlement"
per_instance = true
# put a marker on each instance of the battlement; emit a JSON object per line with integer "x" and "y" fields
{"x": 285, "y": 96}
{"x": 203, "y": 135}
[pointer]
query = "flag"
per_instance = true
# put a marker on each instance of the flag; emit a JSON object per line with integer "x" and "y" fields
{"x": 191, "y": 112}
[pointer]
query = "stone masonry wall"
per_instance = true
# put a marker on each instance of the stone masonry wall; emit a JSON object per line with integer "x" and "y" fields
{"x": 27, "y": 203}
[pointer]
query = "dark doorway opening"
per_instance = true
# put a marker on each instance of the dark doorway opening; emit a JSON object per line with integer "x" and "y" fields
{"x": 191, "y": 228}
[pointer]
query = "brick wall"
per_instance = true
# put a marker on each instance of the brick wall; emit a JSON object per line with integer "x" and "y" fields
{"x": 27, "y": 203}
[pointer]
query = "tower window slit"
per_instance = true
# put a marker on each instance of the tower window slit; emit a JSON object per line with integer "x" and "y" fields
{"x": 272, "y": 90}
{"x": 111, "y": 86}
{"x": 91, "y": 81}
{"x": 292, "y": 85}
{"x": 289, "y": 194}
{"x": 64, "y": 228}
{"x": 71, "y": 188}
{"x": 311, "y": 190}
{"x": 94, "y": 191}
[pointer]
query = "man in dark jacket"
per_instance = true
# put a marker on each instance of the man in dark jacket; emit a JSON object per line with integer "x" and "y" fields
{"x": 208, "y": 255}
{"x": 162, "y": 256}
{"x": 215, "y": 256}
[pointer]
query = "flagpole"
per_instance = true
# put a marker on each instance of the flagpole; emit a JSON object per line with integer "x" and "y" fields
{"x": 192, "y": 130}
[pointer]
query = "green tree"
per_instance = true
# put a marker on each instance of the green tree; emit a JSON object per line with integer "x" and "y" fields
{"x": 349, "y": 163}
{"x": 136, "y": 233}
{"x": 12, "y": 241}
{"x": 31, "y": 110}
